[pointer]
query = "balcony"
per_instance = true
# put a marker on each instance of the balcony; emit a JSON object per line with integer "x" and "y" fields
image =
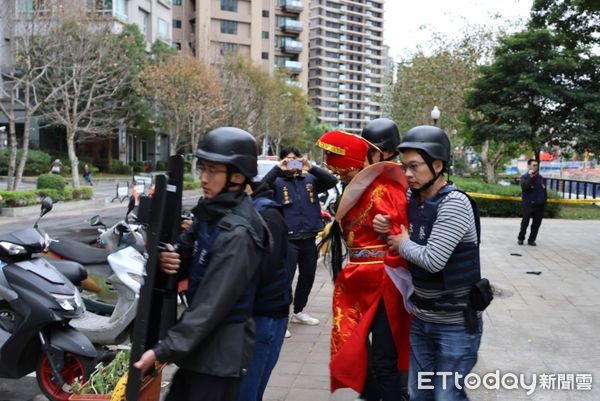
{"x": 291, "y": 25}
{"x": 293, "y": 66}
{"x": 293, "y": 6}
{"x": 292, "y": 46}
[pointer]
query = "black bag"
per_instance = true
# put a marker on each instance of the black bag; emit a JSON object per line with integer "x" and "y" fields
{"x": 481, "y": 294}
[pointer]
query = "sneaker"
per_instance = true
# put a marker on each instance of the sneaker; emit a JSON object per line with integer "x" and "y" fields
{"x": 304, "y": 318}
{"x": 520, "y": 242}
{"x": 531, "y": 243}
{"x": 287, "y": 334}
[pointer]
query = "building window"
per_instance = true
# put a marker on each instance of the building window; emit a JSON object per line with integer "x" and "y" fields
{"x": 229, "y": 27}
{"x": 265, "y": 55}
{"x": 177, "y": 23}
{"x": 146, "y": 24}
{"x": 229, "y": 5}
{"x": 176, "y": 45}
{"x": 120, "y": 9}
{"x": 225, "y": 48}
{"x": 265, "y": 13}
{"x": 176, "y": 2}
{"x": 265, "y": 34}
{"x": 163, "y": 30}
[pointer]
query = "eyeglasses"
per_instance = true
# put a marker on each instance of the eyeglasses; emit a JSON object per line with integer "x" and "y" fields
{"x": 414, "y": 166}
{"x": 210, "y": 170}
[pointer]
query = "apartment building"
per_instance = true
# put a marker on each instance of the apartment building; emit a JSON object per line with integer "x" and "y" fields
{"x": 154, "y": 18}
{"x": 346, "y": 61}
{"x": 274, "y": 34}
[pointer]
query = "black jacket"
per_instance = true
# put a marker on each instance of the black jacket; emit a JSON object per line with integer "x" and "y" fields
{"x": 534, "y": 190}
{"x": 274, "y": 293}
{"x": 200, "y": 341}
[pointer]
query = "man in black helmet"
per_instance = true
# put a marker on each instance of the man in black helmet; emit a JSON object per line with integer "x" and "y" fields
{"x": 383, "y": 133}
{"x": 220, "y": 253}
{"x": 442, "y": 247}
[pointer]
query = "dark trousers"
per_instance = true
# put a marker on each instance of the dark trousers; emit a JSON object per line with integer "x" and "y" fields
{"x": 302, "y": 253}
{"x": 192, "y": 386}
{"x": 535, "y": 213}
{"x": 384, "y": 381}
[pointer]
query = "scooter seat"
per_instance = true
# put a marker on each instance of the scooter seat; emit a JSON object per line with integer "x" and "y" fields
{"x": 78, "y": 252}
{"x": 72, "y": 270}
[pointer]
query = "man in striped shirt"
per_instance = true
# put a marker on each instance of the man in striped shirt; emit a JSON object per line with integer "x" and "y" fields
{"x": 442, "y": 247}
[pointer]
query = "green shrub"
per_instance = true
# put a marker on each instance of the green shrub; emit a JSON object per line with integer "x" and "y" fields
{"x": 118, "y": 167}
{"x": 190, "y": 183}
{"x": 501, "y": 207}
{"x": 67, "y": 193}
{"x": 51, "y": 181}
{"x": 38, "y": 162}
{"x": 162, "y": 165}
{"x": 19, "y": 198}
{"x": 83, "y": 193}
{"x": 52, "y": 193}
{"x": 138, "y": 166}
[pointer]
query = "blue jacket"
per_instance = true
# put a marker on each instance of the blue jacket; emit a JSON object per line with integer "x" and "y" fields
{"x": 299, "y": 197}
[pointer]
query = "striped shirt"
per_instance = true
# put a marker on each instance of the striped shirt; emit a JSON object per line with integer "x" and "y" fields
{"x": 454, "y": 224}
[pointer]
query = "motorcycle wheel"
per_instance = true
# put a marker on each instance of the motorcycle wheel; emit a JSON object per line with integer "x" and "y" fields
{"x": 76, "y": 367}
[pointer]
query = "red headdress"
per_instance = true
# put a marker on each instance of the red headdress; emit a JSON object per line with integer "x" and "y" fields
{"x": 343, "y": 151}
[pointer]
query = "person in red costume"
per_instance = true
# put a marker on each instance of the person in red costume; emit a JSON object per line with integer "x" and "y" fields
{"x": 365, "y": 299}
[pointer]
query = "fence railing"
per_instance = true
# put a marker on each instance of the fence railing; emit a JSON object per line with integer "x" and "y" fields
{"x": 574, "y": 189}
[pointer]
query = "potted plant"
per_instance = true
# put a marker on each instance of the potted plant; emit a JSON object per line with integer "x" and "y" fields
{"x": 110, "y": 382}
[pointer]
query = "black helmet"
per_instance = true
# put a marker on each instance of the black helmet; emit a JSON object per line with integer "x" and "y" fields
{"x": 429, "y": 139}
{"x": 231, "y": 146}
{"x": 383, "y": 133}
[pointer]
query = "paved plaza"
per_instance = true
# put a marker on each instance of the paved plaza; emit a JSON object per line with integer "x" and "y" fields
{"x": 546, "y": 323}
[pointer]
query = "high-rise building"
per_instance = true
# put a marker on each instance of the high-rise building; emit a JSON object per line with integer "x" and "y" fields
{"x": 274, "y": 34}
{"x": 346, "y": 61}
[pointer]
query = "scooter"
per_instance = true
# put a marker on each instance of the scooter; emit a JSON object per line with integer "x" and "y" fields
{"x": 99, "y": 296}
{"x": 127, "y": 265}
{"x": 37, "y": 303}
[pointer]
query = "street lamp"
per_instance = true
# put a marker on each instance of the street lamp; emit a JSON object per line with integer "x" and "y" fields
{"x": 435, "y": 115}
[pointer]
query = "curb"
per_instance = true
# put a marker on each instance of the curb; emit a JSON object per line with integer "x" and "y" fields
{"x": 28, "y": 211}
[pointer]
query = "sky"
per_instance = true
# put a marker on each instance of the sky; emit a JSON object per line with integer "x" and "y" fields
{"x": 404, "y": 18}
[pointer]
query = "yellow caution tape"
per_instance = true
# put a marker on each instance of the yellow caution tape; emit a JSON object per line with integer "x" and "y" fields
{"x": 518, "y": 198}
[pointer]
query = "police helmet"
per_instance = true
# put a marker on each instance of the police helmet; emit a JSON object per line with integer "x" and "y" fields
{"x": 431, "y": 140}
{"x": 383, "y": 133}
{"x": 230, "y": 146}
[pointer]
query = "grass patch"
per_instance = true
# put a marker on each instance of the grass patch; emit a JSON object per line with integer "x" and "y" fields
{"x": 579, "y": 212}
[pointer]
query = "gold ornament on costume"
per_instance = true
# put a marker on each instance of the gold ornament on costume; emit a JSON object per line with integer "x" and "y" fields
{"x": 311, "y": 194}
{"x": 286, "y": 196}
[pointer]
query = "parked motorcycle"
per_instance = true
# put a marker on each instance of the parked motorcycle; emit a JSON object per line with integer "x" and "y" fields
{"x": 99, "y": 295}
{"x": 37, "y": 302}
{"x": 127, "y": 266}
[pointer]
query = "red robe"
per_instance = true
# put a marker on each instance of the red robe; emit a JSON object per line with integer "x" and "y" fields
{"x": 378, "y": 189}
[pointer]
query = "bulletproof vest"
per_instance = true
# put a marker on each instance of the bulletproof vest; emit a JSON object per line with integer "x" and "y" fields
{"x": 205, "y": 238}
{"x": 300, "y": 201}
{"x": 462, "y": 268}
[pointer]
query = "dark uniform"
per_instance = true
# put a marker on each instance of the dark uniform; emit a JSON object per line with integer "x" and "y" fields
{"x": 534, "y": 198}
{"x": 298, "y": 196}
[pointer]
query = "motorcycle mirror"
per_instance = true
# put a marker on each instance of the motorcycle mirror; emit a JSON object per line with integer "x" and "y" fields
{"x": 130, "y": 206}
{"x": 96, "y": 221}
{"x": 46, "y": 205}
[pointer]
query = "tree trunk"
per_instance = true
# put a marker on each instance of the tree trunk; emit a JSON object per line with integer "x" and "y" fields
{"x": 12, "y": 141}
{"x": 73, "y": 157}
{"x": 25, "y": 146}
{"x": 489, "y": 168}
{"x": 173, "y": 139}
{"x": 194, "y": 171}
{"x": 109, "y": 158}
